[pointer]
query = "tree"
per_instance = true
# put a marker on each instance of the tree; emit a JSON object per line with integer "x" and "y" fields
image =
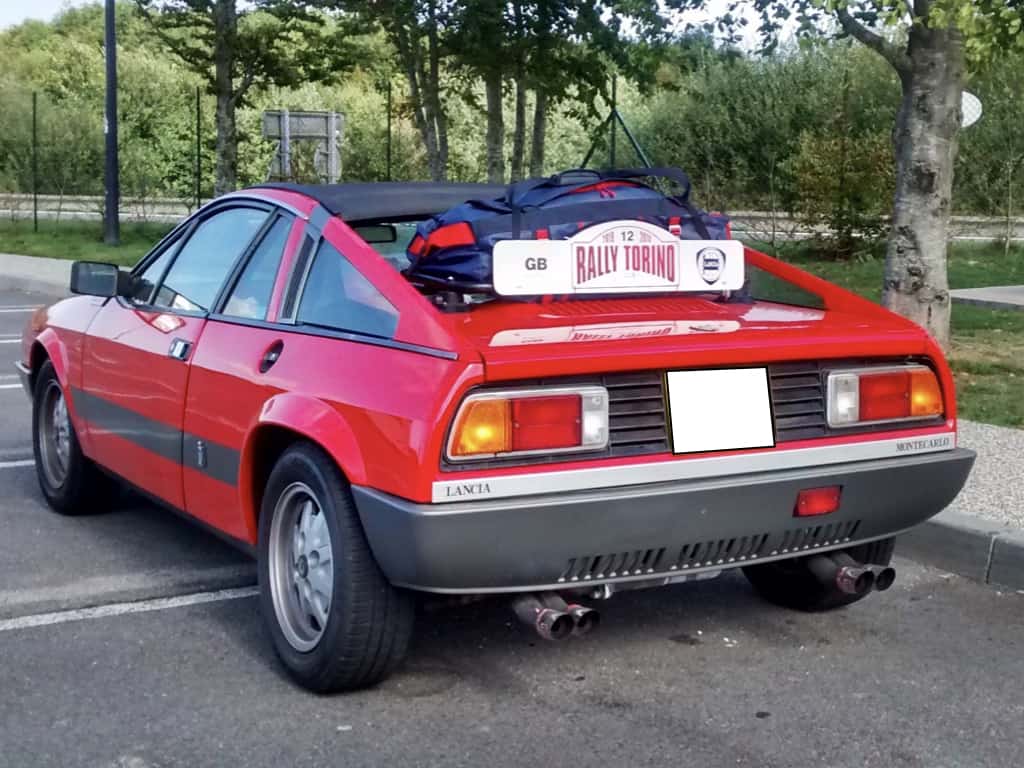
{"x": 930, "y": 44}
{"x": 237, "y": 46}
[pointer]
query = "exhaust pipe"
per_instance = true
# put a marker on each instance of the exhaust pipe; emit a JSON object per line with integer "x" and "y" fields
{"x": 885, "y": 575}
{"x": 547, "y": 622}
{"x": 584, "y": 619}
{"x": 834, "y": 572}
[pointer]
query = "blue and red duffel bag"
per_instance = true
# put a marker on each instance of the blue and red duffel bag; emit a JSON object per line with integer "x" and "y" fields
{"x": 454, "y": 248}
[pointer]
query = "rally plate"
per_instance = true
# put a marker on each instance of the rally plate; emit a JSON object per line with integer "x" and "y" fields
{"x": 617, "y": 257}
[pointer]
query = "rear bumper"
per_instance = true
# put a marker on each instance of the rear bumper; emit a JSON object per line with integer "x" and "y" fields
{"x": 25, "y": 375}
{"x": 559, "y": 541}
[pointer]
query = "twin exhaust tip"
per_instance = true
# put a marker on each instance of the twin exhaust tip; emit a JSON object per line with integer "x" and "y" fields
{"x": 552, "y": 618}
{"x": 842, "y": 572}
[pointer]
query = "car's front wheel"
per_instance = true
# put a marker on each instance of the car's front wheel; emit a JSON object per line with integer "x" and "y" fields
{"x": 70, "y": 482}
{"x": 336, "y": 622}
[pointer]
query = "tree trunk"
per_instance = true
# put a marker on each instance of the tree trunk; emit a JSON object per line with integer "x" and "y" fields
{"x": 540, "y": 125}
{"x": 495, "y": 129}
{"x": 225, "y": 28}
{"x": 916, "y": 283}
{"x": 519, "y": 130}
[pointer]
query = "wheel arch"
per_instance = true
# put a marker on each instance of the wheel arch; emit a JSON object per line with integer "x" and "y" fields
{"x": 285, "y": 420}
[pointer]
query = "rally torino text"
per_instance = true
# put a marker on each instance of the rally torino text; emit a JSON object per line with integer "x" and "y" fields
{"x": 593, "y": 261}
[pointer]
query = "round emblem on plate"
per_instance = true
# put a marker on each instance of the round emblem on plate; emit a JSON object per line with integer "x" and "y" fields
{"x": 710, "y": 264}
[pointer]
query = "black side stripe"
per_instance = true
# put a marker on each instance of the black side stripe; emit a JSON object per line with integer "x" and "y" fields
{"x": 218, "y": 461}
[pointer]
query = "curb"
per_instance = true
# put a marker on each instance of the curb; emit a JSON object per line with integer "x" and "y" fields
{"x": 968, "y": 546}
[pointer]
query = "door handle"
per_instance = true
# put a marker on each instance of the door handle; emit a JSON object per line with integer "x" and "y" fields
{"x": 179, "y": 349}
{"x": 271, "y": 356}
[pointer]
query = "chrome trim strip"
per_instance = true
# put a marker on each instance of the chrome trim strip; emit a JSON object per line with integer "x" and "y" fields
{"x": 561, "y": 481}
{"x": 570, "y": 586}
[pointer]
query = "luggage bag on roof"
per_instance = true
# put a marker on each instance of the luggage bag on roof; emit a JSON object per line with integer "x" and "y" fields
{"x": 454, "y": 248}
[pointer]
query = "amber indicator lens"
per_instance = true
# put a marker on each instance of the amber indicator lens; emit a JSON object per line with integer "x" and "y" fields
{"x": 484, "y": 426}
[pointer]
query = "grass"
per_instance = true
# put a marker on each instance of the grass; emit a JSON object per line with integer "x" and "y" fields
{"x": 987, "y": 354}
{"x": 79, "y": 240}
{"x": 988, "y": 345}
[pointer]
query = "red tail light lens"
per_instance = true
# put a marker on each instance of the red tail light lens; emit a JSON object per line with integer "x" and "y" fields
{"x": 884, "y": 396}
{"x": 546, "y": 422}
{"x": 817, "y": 501}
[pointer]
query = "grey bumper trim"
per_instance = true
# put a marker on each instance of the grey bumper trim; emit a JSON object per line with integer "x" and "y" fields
{"x": 531, "y": 542}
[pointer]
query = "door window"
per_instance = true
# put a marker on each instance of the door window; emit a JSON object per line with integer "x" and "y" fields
{"x": 337, "y": 296}
{"x": 204, "y": 262}
{"x": 251, "y": 295}
{"x": 146, "y": 280}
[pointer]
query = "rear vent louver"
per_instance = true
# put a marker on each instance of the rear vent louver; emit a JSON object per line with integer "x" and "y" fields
{"x": 636, "y": 414}
{"x": 798, "y": 400}
{"x": 814, "y": 536}
{"x": 652, "y": 561}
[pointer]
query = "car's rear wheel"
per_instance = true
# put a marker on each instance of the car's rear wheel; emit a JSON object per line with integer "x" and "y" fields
{"x": 789, "y": 583}
{"x": 336, "y": 622}
{"x": 70, "y": 482}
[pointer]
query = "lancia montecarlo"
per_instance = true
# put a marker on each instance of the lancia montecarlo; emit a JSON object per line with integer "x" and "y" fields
{"x": 550, "y": 392}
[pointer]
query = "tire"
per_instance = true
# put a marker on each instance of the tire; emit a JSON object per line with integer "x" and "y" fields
{"x": 336, "y": 622}
{"x": 71, "y": 483}
{"x": 789, "y": 584}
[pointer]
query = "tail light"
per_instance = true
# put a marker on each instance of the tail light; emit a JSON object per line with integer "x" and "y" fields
{"x": 883, "y": 394}
{"x": 530, "y": 421}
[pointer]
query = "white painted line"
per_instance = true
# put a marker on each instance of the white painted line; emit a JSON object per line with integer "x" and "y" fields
{"x": 18, "y": 309}
{"x": 10, "y": 386}
{"x": 10, "y": 341}
{"x": 8, "y": 376}
{"x": 18, "y": 463}
{"x": 122, "y": 609}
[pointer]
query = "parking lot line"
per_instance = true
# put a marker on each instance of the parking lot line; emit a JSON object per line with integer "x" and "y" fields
{"x": 122, "y": 609}
{"x": 18, "y": 309}
{"x": 17, "y": 463}
{"x": 10, "y": 386}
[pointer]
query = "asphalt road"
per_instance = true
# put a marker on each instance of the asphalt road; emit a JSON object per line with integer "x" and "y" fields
{"x": 927, "y": 674}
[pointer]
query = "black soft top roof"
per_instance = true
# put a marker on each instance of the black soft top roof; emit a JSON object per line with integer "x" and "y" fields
{"x": 391, "y": 200}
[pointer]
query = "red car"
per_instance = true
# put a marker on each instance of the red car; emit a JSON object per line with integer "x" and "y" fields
{"x": 367, "y": 436}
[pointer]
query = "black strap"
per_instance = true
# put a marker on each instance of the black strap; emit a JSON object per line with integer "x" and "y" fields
{"x": 606, "y": 210}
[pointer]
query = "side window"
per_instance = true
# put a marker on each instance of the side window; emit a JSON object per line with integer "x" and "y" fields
{"x": 337, "y": 296}
{"x": 146, "y": 280}
{"x": 204, "y": 262}
{"x": 251, "y": 295}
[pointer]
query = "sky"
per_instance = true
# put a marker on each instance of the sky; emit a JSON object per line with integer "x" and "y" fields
{"x": 16, "y": 11}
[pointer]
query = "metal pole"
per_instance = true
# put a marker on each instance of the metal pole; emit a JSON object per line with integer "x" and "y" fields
{"x": 199, "y": 150}
{"x": 389, "y": 132}
{"x": 111, "y": 223}
{"x": 611, "y": 121}
{"x": 35, "y": 161}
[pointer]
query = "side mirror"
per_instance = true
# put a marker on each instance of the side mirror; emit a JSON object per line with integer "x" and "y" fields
{"x": 96, "y": 278}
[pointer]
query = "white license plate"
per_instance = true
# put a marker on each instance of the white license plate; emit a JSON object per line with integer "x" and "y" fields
{"x": 720, "y": 410}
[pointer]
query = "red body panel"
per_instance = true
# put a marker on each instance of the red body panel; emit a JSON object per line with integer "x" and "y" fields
{"x": 382, "y": 410}
{"x": 126, "y": 362}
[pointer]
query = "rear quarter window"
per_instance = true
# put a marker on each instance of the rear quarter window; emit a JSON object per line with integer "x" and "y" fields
{"x": 338, "y": 297}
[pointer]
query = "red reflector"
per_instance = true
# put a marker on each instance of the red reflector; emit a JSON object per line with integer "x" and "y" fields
{"x": 539, "y": 423}
{"x": 817, "y": 501}
{"x": 884, "y": 396}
